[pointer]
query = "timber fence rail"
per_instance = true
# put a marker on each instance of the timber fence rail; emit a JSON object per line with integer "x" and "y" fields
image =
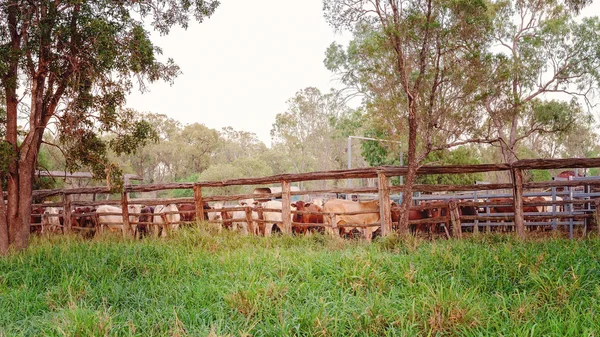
{"x": 383, "y": 191}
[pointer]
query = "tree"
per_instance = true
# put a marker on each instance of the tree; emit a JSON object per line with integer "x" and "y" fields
{"x": 153, "y": 161}
{"x": 234, "y": 145}
{"x": 540, "y": 49}
{"x": 198, "y": 143}
{"x": 240, "y": 168}
{"x": 416, "y": 64}
{"x": 75, "y": 62}
{"x": 308, "y": 129}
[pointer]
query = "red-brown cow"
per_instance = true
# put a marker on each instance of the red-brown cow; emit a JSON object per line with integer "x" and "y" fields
{"x": 306, "y": 218}
{"x": 84, "y": 221}
{"x": 188, "y": 211}
{"x": 413, "y": 214}
{"x": 35, "y": 220}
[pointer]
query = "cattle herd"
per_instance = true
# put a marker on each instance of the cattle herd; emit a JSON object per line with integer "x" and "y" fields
{"x": 251, "y": 217}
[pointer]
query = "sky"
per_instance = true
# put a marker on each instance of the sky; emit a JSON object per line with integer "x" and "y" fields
{"x": 241, "y": 65}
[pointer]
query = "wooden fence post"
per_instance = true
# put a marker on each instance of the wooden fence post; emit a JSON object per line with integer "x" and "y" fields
{"x": 517, "y": 178}
{"x": 385, "y": 211}
{"x": 286, "y": 212}
{"x": 125, "y": 212}
{"x": 67, "y": 213}
{"x": 597, "y": 214}
{"x": 199, "y": 202}
{"x": 455, "y": 219}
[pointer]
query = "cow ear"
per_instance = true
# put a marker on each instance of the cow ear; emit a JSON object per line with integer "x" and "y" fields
{"x": 307, "y": 204}
{"x": 293, "y": 204}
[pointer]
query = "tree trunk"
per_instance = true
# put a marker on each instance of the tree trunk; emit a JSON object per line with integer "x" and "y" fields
{"x": 3, "y": 224}
{"x": 412, "y": 167}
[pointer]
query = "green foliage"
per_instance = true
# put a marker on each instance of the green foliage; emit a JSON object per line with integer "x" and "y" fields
{"x": 462, "y": 155}
{"x": 378, "y": 153}
{"x": 539, "y": 175}
{"x": 199, "y": 284}
{"x": 313, "y": 130}
{"x": 241, "y": 168}
{"x": 78, "y": 61}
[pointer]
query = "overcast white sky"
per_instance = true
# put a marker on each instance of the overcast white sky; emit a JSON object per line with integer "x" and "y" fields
{"x": 241, "y": 65}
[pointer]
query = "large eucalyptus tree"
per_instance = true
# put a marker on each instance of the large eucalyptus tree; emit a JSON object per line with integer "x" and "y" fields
{"x": 75, "y": 62}
{"x": 415, "y": 62}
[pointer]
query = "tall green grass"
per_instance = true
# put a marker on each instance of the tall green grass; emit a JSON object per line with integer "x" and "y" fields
{"x": 200, "y": 284}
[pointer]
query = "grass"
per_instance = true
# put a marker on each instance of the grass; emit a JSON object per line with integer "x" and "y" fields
{"x": 200, "y": 284}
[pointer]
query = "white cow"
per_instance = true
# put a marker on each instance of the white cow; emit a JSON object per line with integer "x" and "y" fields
{"x": 245, "y": 227}
{"x": 165, "y": 221}
{"x": 548, "y": 208}
{"x": 134, "y": 215}
{"x": 50, "y": 220}
{"x": 114, "y": 222}
{"x": 271, "y": 217}
{"x": 318, "y": 202}
{"x": 214, "y": 216}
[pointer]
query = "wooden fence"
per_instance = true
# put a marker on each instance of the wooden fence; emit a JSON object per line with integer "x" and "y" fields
{"x": 383, "y": 191}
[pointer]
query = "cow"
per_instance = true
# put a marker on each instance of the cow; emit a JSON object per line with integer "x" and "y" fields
{"x": 87, "y": 221}
{"x": 114, "y": 222}
{"x": 415, "y": 213}
{"x": 306, "y": 218}
{"x": 506, "y": 205}
{"x": 225, "y": 216}
{"x": 501, "y": 205}
{"x": 188, "y": 211}
{"x": 318, "y": 202}
{"x": 346, "y": 206}
{"x": 145, "y": 220}
{"x": 35, "y": 220}
{"x": 166, "y": 218}
{"x": 84, "y": 221}
{"x": 245, "y": 227}
{"x": 274, "y": 219}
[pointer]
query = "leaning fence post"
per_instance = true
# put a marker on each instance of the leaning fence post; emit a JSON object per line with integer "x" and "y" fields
{"x": 199, "y": 202}
{"x": 67, "y": 213}
{"x": 455, "y": 219}
{"x": 286, "y": 212}
{"x": 517, "y": 179}
{"x": 385, "y": 212}
{"x": 125, "y": 213}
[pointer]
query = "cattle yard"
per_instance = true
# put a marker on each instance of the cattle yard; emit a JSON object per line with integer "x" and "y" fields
{"x": 448, "y": 210}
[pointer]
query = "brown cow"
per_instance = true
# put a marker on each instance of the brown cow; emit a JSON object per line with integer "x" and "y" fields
{"x": 346, "y": 206}
{"x": 506, "y": 205}
{"x": 145, "y": 221}
{"x": 35, "y": 220}
{"x": 415, "y": 213}
{"x": 84, "y": 221}
{"x": 306, "y": 218}
{"x": 188, "y": 211}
